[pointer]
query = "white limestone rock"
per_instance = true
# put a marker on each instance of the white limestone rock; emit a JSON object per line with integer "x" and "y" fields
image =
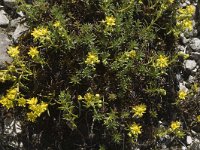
{"x": 3, "y": 18}
{"x": 15, "y": 22}
{"x": 19, "y": 31}
{"x": 4, "y": 43}
{"x": 182, "y": 86}
{"x": 195, "y": 44}
{"x": 190, "y": 64}
{"x": 189, "y": 140}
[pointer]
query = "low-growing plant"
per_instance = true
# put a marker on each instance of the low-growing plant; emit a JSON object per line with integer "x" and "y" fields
{"x": 99, "y": 74}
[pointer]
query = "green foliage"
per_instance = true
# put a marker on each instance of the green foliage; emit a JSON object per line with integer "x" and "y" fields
{"x": 67, "y": 107}
{"x": 115, "y": 58}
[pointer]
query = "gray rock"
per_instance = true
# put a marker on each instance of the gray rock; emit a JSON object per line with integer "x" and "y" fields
{"x": 15, "y": 22}
{"x": 191, "y": 79}
{"x": 4, "y": 43}
{"x": 188, "y": 2}
{"x": 183, "y": 4}
{"x": 21, "y": 14}
{"x": 10, "y": 3}
{"x": 194, "y": 71}
{"x": 184, "y": 39}
{"x": 183, "y": 87}
{"x": 196, "y": 53}
{"x": 198, "y": 62}
{"x": 195, "y": 56}
{"x": 183, "y": 148}
{"x": 195, "y": 44}
{"x": 195, "y": 32}
{"x": 181, "y": 48}
{"x": 3, "y": 19}
{"x": 190, "y": 64}
{"x": 195, "y": 145}
{"x": 189, "y": 139}
{"x": 12, "y": 128}
{"x": 18, "y": 31}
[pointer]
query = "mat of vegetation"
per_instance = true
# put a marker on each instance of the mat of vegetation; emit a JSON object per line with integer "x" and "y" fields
{"x": 100, "y": 74}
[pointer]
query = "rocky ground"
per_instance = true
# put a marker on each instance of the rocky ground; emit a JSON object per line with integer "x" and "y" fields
{"x": 11, "y": 28}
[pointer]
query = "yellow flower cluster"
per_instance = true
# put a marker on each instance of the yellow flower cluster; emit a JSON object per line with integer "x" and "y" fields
{"x": 175, "y": 125}
{"x": 110, "y": 21}
{"x": 130, "y": 54}
{"x": 40, "y": 33}
{"x": 185, "y": 12}
{"x": 135, "y": 130}
{"x": 92, "y": 58}
{"x": 8, "y": 100}
{"x": 184, "y": 17}
{"x": 162, "y": 62}
{"x": 57, "y": 24}
{"x": 182, "y": 94}
{"x": 33, "y": 52}
{"x": 13, "y": 51}
{"x": 91, "y": 100}
{"x": 36, "y": 109}
{"x": 139, "y": 110}
{"x": 185, "y": 24}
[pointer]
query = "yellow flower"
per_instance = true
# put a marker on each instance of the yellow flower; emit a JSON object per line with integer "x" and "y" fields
{"x": 190, "y": 9}
{"x": 88, "y": 97}
{"x": 39, "y": 32}
{"x": 175, "y": 125}
{"x": 38, "y": 109}
{"x": 11, "y": 93}
{"x": 162, "y": 61}
{"x": 43, "y": 106}
{"x": 110, "y": 21}
{"x": 92, "y": 59}
{"x": 187, "y": 24}
{"x": 7, "y": 102}
{"x": 182, "y": 94}
{"x": 130, "y": 54}
{"x": 56, "y": 24}
{"x": 33, "y": 52}
{"x": 198, "y": 118}
{"x": 139, "y": 110}
{"x": 135, "y": 129}
{"x": 13, "y": 51}
{"x": 33, "y": 107}
{"x": 31, "y": 116}
{"x": 80, "y": 97}
{"x": 32, "y": 101}
{"x": 21, "y": 102}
